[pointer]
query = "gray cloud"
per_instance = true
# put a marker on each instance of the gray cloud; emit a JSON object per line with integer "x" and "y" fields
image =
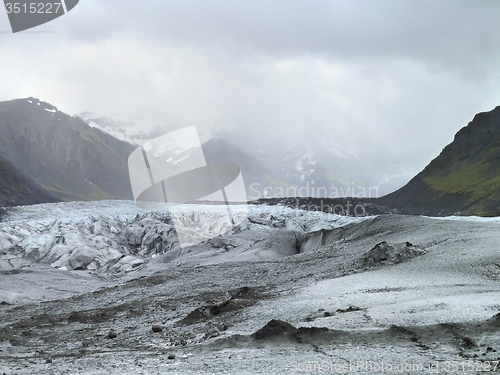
{"x": 397, "y": 78}
{"x": 451, "y": 33}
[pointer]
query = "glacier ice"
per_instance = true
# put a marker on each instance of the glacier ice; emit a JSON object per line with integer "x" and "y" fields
{"x": 118, "y": 237}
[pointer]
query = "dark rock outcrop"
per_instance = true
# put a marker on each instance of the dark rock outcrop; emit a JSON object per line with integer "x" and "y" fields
{"x": 275, "y": 328}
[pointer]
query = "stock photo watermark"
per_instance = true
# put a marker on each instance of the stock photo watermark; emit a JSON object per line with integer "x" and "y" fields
{"x": 170, "y": 173}
{"x": 347, "y": 209}
{"x": 259, "y": 191}
{"x": 26, "y": 14}
{"x": 436, "y": 367}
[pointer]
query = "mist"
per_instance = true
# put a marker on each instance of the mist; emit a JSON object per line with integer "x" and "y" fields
{"x": 389, "y": 82}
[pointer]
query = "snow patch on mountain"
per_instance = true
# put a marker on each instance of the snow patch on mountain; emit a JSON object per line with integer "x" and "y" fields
{"x": 126, "y": 131}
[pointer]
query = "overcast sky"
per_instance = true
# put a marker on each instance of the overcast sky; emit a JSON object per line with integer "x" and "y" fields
{"x": 402, "y": 76}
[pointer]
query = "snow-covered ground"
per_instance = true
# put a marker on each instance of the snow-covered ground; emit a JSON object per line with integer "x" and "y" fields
{"x": 385, "y": 290}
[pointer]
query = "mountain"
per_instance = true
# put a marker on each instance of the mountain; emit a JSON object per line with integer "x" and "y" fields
{"x": 258, "y": 179}
{"x": 463, "y": 180}
{"x": 67, "y": 158}
{"x": 320, "y": 165}
{"x": 17, "y": 189}
{"x": 126, "y": 131}
{"x": 216, "y": 150}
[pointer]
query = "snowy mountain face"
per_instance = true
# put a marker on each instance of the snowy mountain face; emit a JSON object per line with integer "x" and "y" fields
{"x": 126, "y": 131}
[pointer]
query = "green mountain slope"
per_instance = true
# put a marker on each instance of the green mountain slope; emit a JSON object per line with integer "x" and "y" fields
{"x": 67, "y": 158}
{"x": 464, "y": 179}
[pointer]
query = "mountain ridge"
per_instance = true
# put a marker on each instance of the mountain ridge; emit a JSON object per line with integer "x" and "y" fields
{"x": 47, "y": 155}
{"x": 62, "y": 154}
{"x": 464, "y": 179}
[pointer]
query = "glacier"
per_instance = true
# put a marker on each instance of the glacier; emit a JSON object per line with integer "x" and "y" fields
{"x": 315, "y": 287}
{"x": 118, "y": 237}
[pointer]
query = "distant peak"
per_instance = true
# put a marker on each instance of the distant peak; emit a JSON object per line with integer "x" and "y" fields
{"x": 47, "y": 106}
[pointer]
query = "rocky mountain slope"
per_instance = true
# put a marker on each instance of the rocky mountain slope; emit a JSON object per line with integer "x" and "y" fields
{"x": 67, "y": 158}
{"x": 464, "y": 179}
{"x": 17, "y": 189}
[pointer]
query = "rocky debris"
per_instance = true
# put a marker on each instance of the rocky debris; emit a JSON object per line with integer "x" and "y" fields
{"x": 349, "y": 309}
{"x": 171, "y": 356}
{"x": 180, "y": 342}
{"x": 170, "y": 293}
{"x": 466, "y": 342}
{"x": 470, "y": 340}
{"x": 321, "y": 313}
{"x": 383, "y": 254}
{"x": 371, "y": 206}
{"x": 219, "y": 243}
{"x": 275, "y": 328}
{"x": 112, "y": 334}
{"x": 89, "y": 317}
{"x": 38, "y": 321}
{"x": 157, "y": 328}
{"x": 210, "y": 334}
{"x": 304, "y": 334}
{"x": 278, "y": 329}
{"x": 209, "y": 311}
{"x": 246, "y": 293}
{"x": 243, "y": 297}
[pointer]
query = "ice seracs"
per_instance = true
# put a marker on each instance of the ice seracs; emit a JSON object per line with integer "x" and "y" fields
{"x": 116, "y": 236}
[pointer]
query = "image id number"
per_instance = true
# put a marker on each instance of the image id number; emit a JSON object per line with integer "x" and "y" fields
{"x": 33, "y": 7}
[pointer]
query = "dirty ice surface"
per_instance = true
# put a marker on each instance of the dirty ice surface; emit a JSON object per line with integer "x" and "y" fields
{"x": 104, "y": 288}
